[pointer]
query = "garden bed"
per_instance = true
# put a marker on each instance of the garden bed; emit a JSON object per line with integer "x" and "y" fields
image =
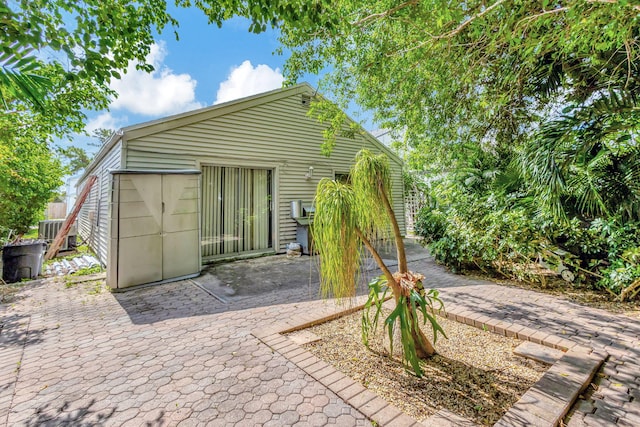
{"x": 475, "y": 373}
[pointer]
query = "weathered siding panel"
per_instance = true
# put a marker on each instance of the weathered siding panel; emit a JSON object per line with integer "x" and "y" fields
{"x": 278, "y": 135}
{"x": 93, "y": 218}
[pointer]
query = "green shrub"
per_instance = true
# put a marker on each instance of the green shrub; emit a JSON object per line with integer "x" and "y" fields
{"x": 604, "y": 254}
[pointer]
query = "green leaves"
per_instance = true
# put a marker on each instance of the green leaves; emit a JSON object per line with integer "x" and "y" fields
{"x": 376, "y": 287}
{"x": 20, "y": 76}
{"x": 29, "y": 173}
{"x": 446, "y": 74}
{"x": 334, "y": 233}
{"x": 90, "y": 39}
{"x": 371, "y": 177}
{"x": 585, "y": 162}
{"x": 405, "y": 315}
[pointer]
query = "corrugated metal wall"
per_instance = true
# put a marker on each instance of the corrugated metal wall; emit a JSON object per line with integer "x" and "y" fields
{"x": 93, "y": 217}
{"x": 277, "y": 134}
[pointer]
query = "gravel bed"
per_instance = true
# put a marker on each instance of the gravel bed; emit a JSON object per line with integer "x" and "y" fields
{"x": 475, "y": 373}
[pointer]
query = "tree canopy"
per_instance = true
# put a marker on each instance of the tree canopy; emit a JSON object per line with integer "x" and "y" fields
{"x": 524, "y": 115}
{"x": 548, "y": 87}
{"x": 56, "y": 61}
{"x": 471, "y": 71}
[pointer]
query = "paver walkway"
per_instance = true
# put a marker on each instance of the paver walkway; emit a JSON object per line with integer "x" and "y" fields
{"x": 174, "y": 355}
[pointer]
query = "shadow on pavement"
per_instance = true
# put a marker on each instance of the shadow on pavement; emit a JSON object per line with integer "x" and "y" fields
{"x": 588, "y": 326}
{"x": 261, "y": 282}
{"x": 14, "y": 331}
{"x": 50, "y": 415}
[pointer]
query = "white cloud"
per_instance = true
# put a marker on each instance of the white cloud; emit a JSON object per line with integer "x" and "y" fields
{"x": 103, "y": 121}
{"x": 246, "y": 80}
{"x": 158, "y": 93}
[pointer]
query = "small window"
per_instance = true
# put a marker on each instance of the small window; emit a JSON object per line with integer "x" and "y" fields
{"x": 342, "y": 177}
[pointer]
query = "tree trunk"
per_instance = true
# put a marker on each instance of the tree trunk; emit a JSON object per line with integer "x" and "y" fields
{"x": 376, "y": 256}
{"x": 402, "y": 257}
{"x": 424, "y": 348}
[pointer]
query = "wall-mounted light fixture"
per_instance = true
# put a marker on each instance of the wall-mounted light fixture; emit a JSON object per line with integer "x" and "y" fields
{"x": 309, "y": 174}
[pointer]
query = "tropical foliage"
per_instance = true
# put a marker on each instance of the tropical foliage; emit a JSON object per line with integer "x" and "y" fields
{"x": 104, "y": 38}
{"x": 522, "y": 116}
{"x": 350, "y": 216}
{"x": 482, "y": 218}
{"x": 450, "y": 75}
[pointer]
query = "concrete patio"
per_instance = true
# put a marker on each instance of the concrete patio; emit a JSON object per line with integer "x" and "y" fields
{"x": 177, "y": 354}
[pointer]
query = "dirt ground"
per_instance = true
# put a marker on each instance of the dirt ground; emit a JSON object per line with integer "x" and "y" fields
{"x": 475, "y": 373}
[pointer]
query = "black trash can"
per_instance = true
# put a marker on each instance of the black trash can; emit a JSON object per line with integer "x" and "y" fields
{"x": 22, "y": 260}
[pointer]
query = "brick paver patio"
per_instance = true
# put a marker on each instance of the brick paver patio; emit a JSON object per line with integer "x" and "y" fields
{"x": 174, "y": 355}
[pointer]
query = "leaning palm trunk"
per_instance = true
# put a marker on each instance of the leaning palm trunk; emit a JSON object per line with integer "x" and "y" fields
{"x": 401, "y": 285}
{"x": 347, "y": 218}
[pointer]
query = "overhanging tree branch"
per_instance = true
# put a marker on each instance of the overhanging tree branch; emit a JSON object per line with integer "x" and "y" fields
{"x": 384, "y": 14}
{"x": 462, "y": 26}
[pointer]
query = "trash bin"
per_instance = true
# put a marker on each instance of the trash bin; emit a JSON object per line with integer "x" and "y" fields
{"x": 22, "y": 260}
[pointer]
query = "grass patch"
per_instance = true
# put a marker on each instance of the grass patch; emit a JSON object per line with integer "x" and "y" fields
{"x": 88, "y": 270}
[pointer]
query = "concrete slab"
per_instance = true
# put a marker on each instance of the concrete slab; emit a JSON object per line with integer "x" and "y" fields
{"x": 235, "y": 280}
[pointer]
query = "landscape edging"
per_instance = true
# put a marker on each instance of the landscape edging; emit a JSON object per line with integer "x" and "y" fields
{"x": 544, "y": 404}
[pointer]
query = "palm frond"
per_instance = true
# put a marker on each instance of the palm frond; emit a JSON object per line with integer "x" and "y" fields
{"x": 548, "y": 76}
{"x": 581, "y": 162}
{"x": 20, "y": 77}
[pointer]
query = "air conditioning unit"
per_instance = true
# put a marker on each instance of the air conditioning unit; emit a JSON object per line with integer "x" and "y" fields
{"x": 48, "y": 230}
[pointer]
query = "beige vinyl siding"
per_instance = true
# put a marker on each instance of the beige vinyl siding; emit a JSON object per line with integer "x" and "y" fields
{"x": 276, "y": 134}
{"x": 149, "y": 160}
{"x": 93, "y": 218}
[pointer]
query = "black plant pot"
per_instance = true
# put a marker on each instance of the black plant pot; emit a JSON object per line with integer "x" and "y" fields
{"x": 22, "y": 260}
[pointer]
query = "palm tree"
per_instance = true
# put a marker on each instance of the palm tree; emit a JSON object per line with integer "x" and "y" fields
{"x": 586, "y": 162}
{"x": 350, "y": 216}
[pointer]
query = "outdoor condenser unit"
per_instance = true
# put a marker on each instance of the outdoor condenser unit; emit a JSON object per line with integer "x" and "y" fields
{"x": 49, "y": 229}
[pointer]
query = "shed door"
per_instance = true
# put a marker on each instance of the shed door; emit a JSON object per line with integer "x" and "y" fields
{"x": 139, "y": 235}
{"x": 157, "y": 231}
{"x": 179, "y": 225}
{"x": 236, "y": 210}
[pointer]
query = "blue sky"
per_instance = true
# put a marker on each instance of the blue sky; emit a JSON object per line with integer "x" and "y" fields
{"x": 206, "y": 66}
